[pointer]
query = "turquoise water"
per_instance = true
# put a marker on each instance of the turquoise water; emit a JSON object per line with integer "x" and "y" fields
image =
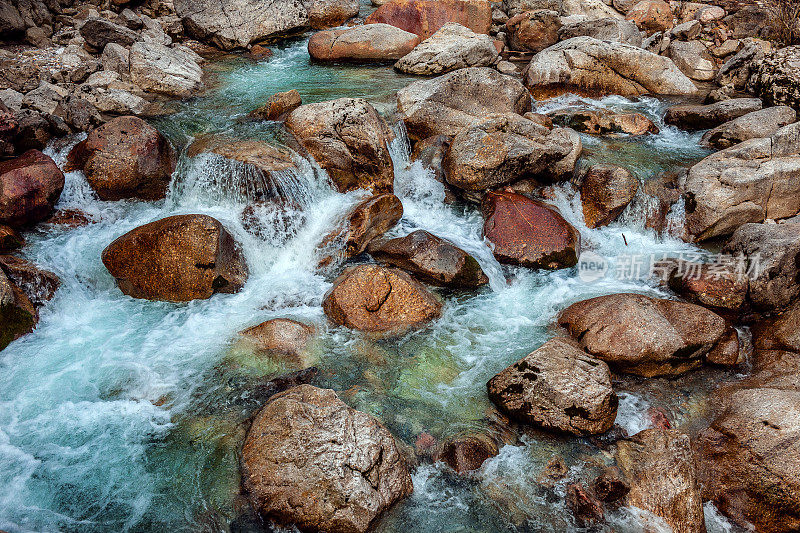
{"x": 126, "y": 415}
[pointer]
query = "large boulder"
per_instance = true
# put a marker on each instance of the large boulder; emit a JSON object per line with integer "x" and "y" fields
{"x": 426, "y": 17}
{"x": 750, "y": 455}
{"x": 777, "y": 80}
{"x": 330, "y": 13}
{"x": 772, "y": 255}
{"x": 528, "y": 233}
{"x": 651, "y": 16}
{"x": 382, "y": 301}
{"x": 694, "y": 59}
{"x": 593, "y": 67}
{"x": 38, "y": 285}
{"x": 503, "y": 149}
{"x": 645, "y": 336}
{"x": 557, "y": 387}
{"x": 349, "y": 139}
{"x": 311, "y": 461}
{"x": 17, "y": 315}
{"x": 446, "y": 104}
{"x": 125, "y": 158}
{"x": 606, "y": 191}
{"x": 30, "y": 186}
{"x": 533, "y": 31}
{"x": 178, "y": 258}
{"x": 98, "y": 32}
{"x": 750, "y": 182}
{"x": 432, "y": 260}
{"x": 239, "y": 23}
{"x": 366, "y": 42}
{"x": 702, "y": 117}
{"x": 604, "y": 29}
{"x": 659, "y": 466}
{"x": 169, "y": 71}
{"x": 452, "y": 47}
{"x": 761, "y": 123}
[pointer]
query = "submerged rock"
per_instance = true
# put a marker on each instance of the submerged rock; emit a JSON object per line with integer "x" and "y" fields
{"x": 645, "y": 336}
{"x": 178, "y": 258}
{"x": 349, "y": 139}
{"x": 446, "y": 104}
{"x": 761, "y": 123}
{"x": 452, "y": 47}
{"x": 312, "y": 461}
{"x": 279, "y": 105}
{"x": 528, "y": 233}
{"x": 283, "y": 339}
{"x": 465, "y": 453}
{"x": 659, "y": 466}
{"x": 605, "y": 193}
{"x": 432, "y": 260}
{"x": 557, "y": 387}
{"x": 125, "y": 158}
{"x": 702, "y": 117}
{"x": 30, "y": 186}
{"x": 503, "y": 149}
{"x": 750, "y": 182}
{"x": 384, "y": 301}
{"x": 589, "y": 66}
{"x": 367, "y": 42}
{"x": 426, "y": 17}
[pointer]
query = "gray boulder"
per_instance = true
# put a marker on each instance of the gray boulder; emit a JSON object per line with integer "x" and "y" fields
{"x": 452, "y": 47}
{"x": 761, "y": 123}
{"x": 156, "y": 68}
{"x": 605, "y": 29}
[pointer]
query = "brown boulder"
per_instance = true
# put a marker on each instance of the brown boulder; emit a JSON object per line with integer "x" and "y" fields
{"x": 605, "y": 193}
{"x": 330, "y": 13}
{"x": 709, "y": 286}
{"x": 651, "y": 16}
{"x": 602, "y": 121}
{"x": 702, "y": 117}
{"x": 425, "y": 17}
{"x": 587, "y": 510}
{"x": 533, "y": 31}
{"x": 465, "y": 453}
{"x": 368, "y": 220}
{"x": 178, "y": 258}
{"x": 38, "y": 285}
{"x": 644, "y": 336}
{"x": 432, "y": 260}
{"x": 366, "y": 42}
{"x": 659, "y": 466}
{"x": 283, "y": 338}
{"x": 30, "y": 185}
{"x": 557, "y": 387}
{"x": 17, "y": 315}
{"x": 125, "y": 158}
{"x": 610, "y": 486}
{"x": 384, "y": 301}
{"x": 349, "y": 139}
{"x": 528, "y": 233}
{"x": 10, "y": 239}
{"x": 310, "y": 460}
{"x": 279, "y": 105}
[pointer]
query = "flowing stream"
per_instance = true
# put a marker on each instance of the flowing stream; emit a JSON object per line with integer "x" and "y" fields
{"x": 119, "y": 414}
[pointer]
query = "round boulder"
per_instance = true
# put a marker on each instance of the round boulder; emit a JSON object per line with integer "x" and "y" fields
{"x": 30, "y": 186}
{"x": 367, "y": 42}
{"x": 283, "y": 338}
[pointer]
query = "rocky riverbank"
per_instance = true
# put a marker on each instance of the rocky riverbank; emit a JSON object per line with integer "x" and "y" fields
{"x": 527, "y": 129}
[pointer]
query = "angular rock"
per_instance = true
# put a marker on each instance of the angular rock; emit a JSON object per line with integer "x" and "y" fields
{"x": 557, "y": 387}
{"x": 349, "y": 139}
{"x": 605, "y": 193}
{"x": 528, "y": 233}
{"x": 432, "y": 260}
{"x": 17, "y": 314}
{"x": 381, "y": 301}
{"x": 367, "y": 42}
{"x": 37, "y": 284}
{"x": 753, "y": 125}
{"x": 10, "y": 239}
{"x": 533, "y": 31}
{"x": 660, "y": 467}
{"x": 694, "y": 60}
{"x": 30, "y": 186}
{"x": 651, "y": 16}
{"x": 125, "y": 158}
{"x": 310, "y": 460}
{"x": 284, "y": 339}
{"x": 586, "y": 9}
{"x": 644, "y": 336}
{"x": 587, "y": 511}
{"x": 742, "y": 66}
{"x": 330, "y": 13}
{"x": 367, "y": 221}
{"x": 749, "y": 182}
{"x": 98, "y": 32}
{"x": 465, "y": 453}
{"x": 703, "y": 284}
{"x": 178, "y": 258}
{"x": 604, "y": 29}
{"x": 451, "y": 48}
{"x": 777, "y": 80}
{"x": 239, "y": 23}
{"x": 446, "y": 104}
{"x": 593, "y": 67}
{"x": 426, "y": 17}
{"x": 503, "y": 149}
{"x": 772, "y": 255}
{"x": 610, "y": 486}
{"x": 159, "y": 69}
{"x": 279, "y": 105}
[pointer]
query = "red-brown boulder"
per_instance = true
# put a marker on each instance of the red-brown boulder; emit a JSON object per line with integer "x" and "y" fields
{"x": 30, "y": 186}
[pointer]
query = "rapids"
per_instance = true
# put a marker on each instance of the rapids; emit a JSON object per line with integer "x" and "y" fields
{"x": 119, "y": 414}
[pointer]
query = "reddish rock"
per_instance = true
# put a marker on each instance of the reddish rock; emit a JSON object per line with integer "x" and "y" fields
{"x": 38, "y": 285}
{"x": 425, "y": 17}
{"x": 17, "y": 315}
{"x": 610, "y": 485}
{"x": 601, "y": 121}
{"x": 71, "y": 218}
{"x": 367, "y": 42}
{"x": 465, "y": 453}
{"x": 30, "y": 185}
{"x": 10, "y": 239}
{"x": 279, "y": 105}
{"x": 125, "y": 158}
{"x": 330, "y": 13}
{"x": 586, "y": 509}
{"x": 432, "y": 260}
{"x": 284, "y": 338}
{"x": 658, "y": 418}
{"x": 178, "y": 258}
{"x": 528, "y": 233}
{"x": 651, "y": 16}
{"x": 383, "y": 301}
{"x": 533, "y": 31}
{"x": 717, "y": 287}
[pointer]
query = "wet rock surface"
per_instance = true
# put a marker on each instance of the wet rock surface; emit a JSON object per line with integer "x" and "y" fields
{"x": 30, "y": 186}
